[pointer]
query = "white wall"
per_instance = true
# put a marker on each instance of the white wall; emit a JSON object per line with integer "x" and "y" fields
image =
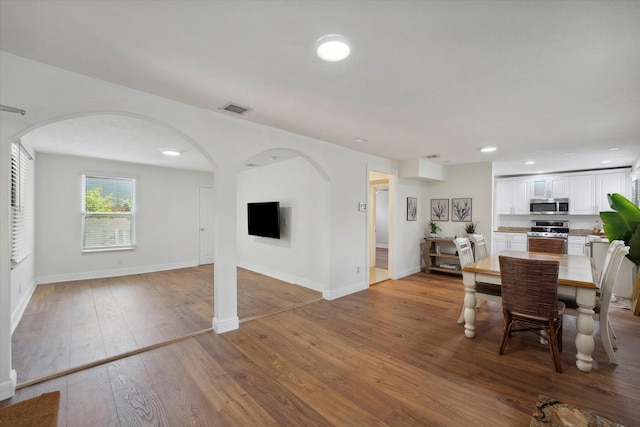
{"x": 166, "y": 219}
{"x": 472, "y": 180}
{"x": 49, "y": 94}
{"x": 296, "y": 256}
{"x": 409, "y": 234}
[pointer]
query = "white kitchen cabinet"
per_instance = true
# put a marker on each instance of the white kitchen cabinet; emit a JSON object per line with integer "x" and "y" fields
{"x": 588, "y": 193}
{"x": 512, "y": 197}
{"x": 576, "y": 245}
{"x": 511, "y": 241}
{"x": 546, "y": 186}
{"x": 610, "y": 183}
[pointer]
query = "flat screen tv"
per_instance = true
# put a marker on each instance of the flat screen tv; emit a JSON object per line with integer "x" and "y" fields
{"x": 264, "y": 219}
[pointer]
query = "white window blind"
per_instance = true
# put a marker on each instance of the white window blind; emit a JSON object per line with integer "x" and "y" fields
{"x": 21, "y": 203}
{"x": 108, "y": 212}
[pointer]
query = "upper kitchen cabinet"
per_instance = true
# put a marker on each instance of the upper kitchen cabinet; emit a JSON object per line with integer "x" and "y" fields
{"x": 512, "y": 197}
{"x": 588, "y": 193}
{"x": 549, "y": 187}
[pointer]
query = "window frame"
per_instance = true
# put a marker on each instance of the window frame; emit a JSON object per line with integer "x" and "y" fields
{"x": 132, "y": 213}
{"x": 21, "y": 203}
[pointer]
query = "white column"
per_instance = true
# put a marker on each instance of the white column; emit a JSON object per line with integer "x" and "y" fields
{"x": 225, "y": 306}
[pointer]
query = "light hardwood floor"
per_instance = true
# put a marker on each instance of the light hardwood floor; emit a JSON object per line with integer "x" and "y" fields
{"x": 390, "y": 355}
{"x": 71, "y": 324}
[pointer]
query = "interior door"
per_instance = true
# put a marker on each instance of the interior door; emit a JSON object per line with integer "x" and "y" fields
{"x": 206, "y": 225}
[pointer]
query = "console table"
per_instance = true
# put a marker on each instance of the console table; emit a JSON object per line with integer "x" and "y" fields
{"x": 440, "y": 255}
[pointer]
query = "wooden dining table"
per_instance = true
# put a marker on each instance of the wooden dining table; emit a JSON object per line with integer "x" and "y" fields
{"x": 576, "y": 278}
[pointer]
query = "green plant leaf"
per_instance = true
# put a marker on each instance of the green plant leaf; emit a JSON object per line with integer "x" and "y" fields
{"x": 623, "y": 224}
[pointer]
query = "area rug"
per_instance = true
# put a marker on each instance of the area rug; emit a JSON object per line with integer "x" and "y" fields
{"x": 550, "y": 412}
{"x": 41, "y": 411}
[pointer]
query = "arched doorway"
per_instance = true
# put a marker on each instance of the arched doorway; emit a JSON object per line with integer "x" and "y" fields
{"x": 115, "y": 280}
{"x": 300, "y": 256}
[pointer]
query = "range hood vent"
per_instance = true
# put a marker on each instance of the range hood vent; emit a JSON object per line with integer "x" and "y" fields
{"x": 236, "y": 108}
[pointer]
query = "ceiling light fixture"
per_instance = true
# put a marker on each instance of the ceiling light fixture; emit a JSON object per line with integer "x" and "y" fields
{"x": 530, "y": 162}
{"x": 606, "y": 161}
{"x": 171, "y": 152}
{"x": 359, "y": 140}
{"x": 488, "y": 149}
{"x": 612, "y": 149}
{"x": 333, "y": 48}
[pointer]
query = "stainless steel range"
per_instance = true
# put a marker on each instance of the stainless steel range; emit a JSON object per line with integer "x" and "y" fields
{"x": 549, "y": 229}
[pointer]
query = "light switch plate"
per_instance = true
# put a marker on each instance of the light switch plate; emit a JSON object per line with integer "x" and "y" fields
{"x": 362, "y": 206}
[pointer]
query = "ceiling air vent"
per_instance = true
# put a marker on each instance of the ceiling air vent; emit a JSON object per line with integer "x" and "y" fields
{"x": 235, "y": 108}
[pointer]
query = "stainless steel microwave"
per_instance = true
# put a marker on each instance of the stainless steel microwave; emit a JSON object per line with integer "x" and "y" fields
{"x": 549, "y": 206}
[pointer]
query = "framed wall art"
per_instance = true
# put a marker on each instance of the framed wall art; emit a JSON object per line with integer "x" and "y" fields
{"x": 461, "y": 210}
{"x": 412, "y": 208}
{"x": 439, "y": 209}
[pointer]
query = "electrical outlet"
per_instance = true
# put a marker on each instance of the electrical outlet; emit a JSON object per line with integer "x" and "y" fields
{"x": 120, "y": 261}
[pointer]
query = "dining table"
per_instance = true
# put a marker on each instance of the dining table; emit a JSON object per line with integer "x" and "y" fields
{"x": 576, "y": 277}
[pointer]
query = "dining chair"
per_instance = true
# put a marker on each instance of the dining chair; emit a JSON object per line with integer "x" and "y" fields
{"x": 484, "y": 291}
{"x": 479, "y": 245}
{"x": 608, "y": 278}
{"x": 530, "y": 302}
{"x": 551, "y": 246}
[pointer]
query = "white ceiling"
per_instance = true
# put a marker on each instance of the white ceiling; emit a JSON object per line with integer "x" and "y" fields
{"x": 537, "y": 79}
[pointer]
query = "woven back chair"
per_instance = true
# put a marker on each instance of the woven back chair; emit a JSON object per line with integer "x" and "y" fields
{"x": 608, "y": 278}
{"x": 480, "y": 246}
{"x": 551, "y": 246}
{"x": 484, "y": 291}
{"x": 530, "y": 301}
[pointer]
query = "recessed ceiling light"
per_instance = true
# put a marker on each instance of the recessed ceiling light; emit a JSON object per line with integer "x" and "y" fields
{"x": 612, "y": 149}
{"x": 488, "y": 149}
{"x": 606, "y": 161}
{"x": 569, "y": 153}
{"x": 172, "y": 151}
{"x": 530, "y": 162}
{"x": 359, "y": 140}
{"x": 333, "y": 48}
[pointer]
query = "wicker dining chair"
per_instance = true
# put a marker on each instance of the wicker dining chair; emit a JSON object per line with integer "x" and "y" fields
{"x": 530, "y": 301}
{"x": 551, "y": 246}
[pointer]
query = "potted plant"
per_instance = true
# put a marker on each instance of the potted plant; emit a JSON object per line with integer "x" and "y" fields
{"x": 433, "y": 229}
{"x": 470, "y": 227}
{"x": 624, "y": 224}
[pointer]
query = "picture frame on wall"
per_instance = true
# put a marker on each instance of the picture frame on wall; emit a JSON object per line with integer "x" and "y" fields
{"x": 461, "y": 210}
{"x": 412, "y": 208}
{"x": 439, "y": 209}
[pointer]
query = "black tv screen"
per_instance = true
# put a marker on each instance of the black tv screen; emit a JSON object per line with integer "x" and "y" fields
{"x": 264, "y": 219}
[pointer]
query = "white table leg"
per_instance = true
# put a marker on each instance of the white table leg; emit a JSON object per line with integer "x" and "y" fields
{"x": 469, "y": 281}
{"x": 586, "y": 299}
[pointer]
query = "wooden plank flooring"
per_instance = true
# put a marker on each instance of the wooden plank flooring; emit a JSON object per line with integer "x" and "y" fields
{"x": 391, "y": 355}
{"x": 70, "y": 324}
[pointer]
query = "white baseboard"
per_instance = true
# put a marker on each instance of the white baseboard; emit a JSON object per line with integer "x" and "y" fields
{"x": 289, "y": 278}
{"x": 407, "y": 272}
{"x": 8, "y": 387}
{"x": 17, "y": 313}
{"x": 222, "y": 326}
{"x": 347, "y": 290}
{"x": 86, "y": 275}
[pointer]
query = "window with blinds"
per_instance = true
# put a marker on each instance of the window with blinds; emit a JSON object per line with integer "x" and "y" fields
{"x": 108, "y": 213}
{"x": 21, "y": 204}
